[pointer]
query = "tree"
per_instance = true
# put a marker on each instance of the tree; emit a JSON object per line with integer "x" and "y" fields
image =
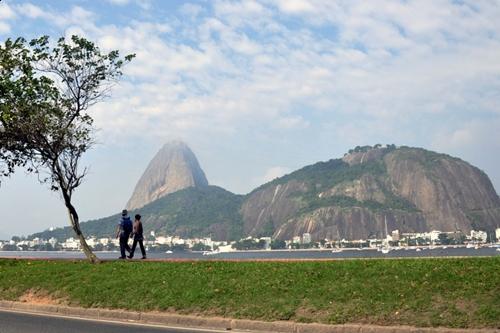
{"x": 45, "y": 94}
{"x": 443, "y": 239}
{"x": 278, "y": 244}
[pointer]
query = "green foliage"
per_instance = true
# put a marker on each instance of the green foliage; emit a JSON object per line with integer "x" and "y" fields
{"x": 364, "y": 149}
{"x": 446, "y": 292}
{"x": 267, "y": 230}
{"x": 324, "y": 178}
{"x": 330, "y": 173}
{"x": 249, "y": 244}
{"x": 325, "y": 175}
{"x": 192, "y": 212}
{"x": 9, "y": 247}
{"x": 277, "y": 244}
{"x": 201, "y": 247}
{"x": 428, "y": 159}
{"x": 443, "y": 239}
{"x": 44, "y": 96}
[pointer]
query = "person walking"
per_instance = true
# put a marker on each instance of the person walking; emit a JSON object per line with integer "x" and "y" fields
{"x": 138, "y": 237}
{"x": 123, "y": 232}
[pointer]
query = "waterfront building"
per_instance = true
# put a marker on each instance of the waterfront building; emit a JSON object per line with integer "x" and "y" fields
{"x": 306, "y": 238}
{"x": 267, "y": 242}
{"x": 478, "y": 235}
{"x": 53, "y": 241}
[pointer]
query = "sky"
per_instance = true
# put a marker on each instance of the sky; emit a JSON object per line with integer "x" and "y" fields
{"x": 260, "y": 88}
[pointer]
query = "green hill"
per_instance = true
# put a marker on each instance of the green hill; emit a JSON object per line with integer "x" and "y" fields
{"x": 192, "y": 212}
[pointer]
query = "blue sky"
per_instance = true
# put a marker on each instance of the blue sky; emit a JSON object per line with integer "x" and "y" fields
{"x": 260, "y": 88}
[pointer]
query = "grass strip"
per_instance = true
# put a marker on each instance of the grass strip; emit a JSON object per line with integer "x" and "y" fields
{"x": 462, "y": 293}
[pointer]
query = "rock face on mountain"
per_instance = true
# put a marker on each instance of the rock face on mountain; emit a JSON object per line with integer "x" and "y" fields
{"x": 415, "y": 190}
{"x": 174, "y": 168}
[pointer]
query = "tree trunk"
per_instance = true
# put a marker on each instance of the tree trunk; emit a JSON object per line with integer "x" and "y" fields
{"x": 75, "y": 223}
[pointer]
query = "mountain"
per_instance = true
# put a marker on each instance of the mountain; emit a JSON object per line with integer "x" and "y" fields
{"x": 413, "y": 189}
{"x": 191, "y": 212}
{"x": 173, "y": 168}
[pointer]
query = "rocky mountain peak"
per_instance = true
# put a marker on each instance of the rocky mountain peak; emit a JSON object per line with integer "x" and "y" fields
{"x": 364, "y": 154}
{"x": 173, "y": 168}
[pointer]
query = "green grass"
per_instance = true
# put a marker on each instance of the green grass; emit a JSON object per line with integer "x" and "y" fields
{"x": 420, "y": 292}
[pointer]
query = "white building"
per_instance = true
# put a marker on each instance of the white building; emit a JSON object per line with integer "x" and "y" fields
{"x": 178, "y": 241}
{"x": 478, "y": 235}
{"x": 104, "y": 241}
{"x": 37, "y": 241}
{"x": 296, "y": 239}
{"x": 71, "y": 244}
{"x": 207, "y": 242}
{"x": 306, "y": 238}
{"x": 163, "y": 240}
{"x": 53, "y": 241}
{"x": 434, "y": 235}
{"x": 497, "y": 234}
{"x": 92, "y": 241}
{"x": 267, "y": 242}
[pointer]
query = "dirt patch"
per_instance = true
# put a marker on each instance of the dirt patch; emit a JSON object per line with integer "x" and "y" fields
{"x": 35, "y": 296}
{"x": 307, "y": 313}
{"x": 466, "y": 306}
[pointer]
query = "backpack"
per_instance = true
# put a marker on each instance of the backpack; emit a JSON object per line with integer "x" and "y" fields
{"x": 127, "y": 225}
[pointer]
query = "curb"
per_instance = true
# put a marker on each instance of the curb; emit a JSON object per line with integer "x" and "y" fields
{"x": 221, "y": 323}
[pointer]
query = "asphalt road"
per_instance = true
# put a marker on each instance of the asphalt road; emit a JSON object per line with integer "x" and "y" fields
{"x": 16, "y": 322}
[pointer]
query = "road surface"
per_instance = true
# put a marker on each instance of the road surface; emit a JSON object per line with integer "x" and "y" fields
{"x": 20, "y": 322}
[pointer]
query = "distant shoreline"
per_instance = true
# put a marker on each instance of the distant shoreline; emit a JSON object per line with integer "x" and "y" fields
{"x": 434, "y": 247}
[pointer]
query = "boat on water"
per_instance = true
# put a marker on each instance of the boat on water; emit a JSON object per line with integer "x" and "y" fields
{"x": 168, "y": 252}
{"x": 386, "y": 248}
{"x": 336, "y": 250}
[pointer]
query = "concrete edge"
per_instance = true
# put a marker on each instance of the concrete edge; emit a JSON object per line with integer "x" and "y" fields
{"x": 219, "y": 323}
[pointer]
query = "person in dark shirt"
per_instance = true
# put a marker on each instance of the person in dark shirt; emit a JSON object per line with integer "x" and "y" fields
{"x": 123, "y": 232}
{"x": 138, "y": 237}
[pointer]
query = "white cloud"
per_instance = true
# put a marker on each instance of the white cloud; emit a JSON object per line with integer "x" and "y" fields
{"x": 4, "y": 27}
{"x": 296, "y": 6}
{"x": 6, "y": 12}
{"x": 76, "y": 16}
{"x": 119, "y": 2}
{"x": 31, "y": 11}
{"x": 191, "y": 9}
{"x": 272, "y": 173}
{"x": 242, "y": 66}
